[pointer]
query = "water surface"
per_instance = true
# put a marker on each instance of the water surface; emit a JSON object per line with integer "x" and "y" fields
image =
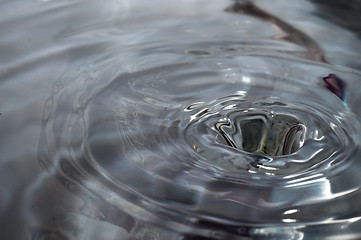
{"x": 180, "y": 120}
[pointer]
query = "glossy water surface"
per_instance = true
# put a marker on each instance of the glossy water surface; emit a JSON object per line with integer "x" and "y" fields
{"x": 180, "y": 120}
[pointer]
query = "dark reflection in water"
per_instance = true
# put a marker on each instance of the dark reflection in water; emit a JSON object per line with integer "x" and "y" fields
{"x": 180, "y": 120}
{"x": 343, "y": 13}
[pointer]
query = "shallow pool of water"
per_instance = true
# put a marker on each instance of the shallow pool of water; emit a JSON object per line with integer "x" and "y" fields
{"x": 180, "y": 120}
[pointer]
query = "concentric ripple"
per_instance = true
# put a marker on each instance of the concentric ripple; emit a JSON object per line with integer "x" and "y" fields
{"x": 203, "y": 136}
{"x": 285, "y": 135}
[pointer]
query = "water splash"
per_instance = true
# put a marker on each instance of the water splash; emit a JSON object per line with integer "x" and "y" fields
{"x": 194, "y": 125}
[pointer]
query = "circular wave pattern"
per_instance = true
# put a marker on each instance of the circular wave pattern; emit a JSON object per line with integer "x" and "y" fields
{"x": 280, "y": 133}
{"x": 208, "y": 138}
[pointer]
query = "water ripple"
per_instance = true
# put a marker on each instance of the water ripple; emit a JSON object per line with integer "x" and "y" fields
{"x": 212, "y": 138}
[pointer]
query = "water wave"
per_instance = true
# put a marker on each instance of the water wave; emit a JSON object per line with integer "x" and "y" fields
{"x": 204, "y": 133}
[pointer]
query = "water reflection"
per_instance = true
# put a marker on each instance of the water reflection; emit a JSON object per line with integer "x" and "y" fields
{"x": 189, "y": 120}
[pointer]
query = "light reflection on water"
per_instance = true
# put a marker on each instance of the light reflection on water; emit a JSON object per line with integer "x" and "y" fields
{"x": 179, "y": 120}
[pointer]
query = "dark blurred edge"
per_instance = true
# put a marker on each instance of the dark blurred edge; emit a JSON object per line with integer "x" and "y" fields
{"x": 346, "y": 13}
